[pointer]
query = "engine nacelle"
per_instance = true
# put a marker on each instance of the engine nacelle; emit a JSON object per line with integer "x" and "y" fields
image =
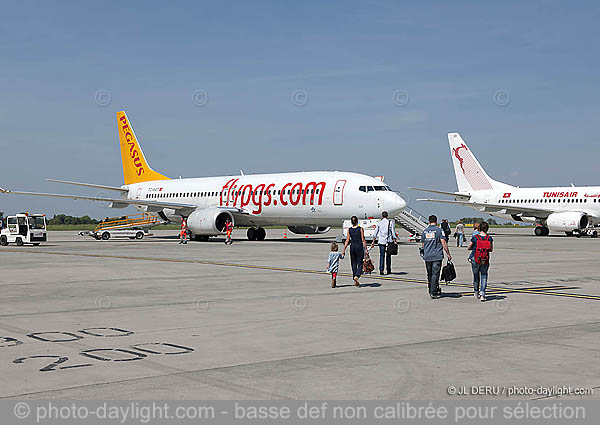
{"x": 208, "y": 221}
{"x": 308, "y": 230}
{"x": 567, "y": 221}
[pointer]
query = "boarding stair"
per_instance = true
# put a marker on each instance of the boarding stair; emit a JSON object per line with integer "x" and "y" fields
{"x": 411, "y": 221}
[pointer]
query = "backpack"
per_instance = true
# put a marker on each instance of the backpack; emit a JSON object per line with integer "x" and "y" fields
{"x": 482, "y": 249}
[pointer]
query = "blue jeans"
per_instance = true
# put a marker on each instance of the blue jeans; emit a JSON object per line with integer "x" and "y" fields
{"x": 480, "y": 277}
{"x": 384, "y": 259}
{"x": 433, "y": 276}
{"x": 460, "y": 238}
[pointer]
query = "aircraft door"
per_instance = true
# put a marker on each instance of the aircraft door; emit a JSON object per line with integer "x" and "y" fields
{"x": 138, "y": 193}
{"x": 338, "y": 192}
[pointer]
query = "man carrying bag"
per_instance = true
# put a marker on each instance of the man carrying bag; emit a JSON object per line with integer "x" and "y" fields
{"x": 385, "y": 234}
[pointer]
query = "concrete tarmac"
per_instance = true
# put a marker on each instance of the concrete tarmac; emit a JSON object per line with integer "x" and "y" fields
{"x": 152, "y": 319}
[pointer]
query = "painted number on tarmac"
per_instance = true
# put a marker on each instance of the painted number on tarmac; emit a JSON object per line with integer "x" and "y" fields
{"x": 131, "y": 353}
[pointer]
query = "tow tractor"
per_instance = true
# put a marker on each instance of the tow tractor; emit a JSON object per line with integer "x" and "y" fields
{"x": 23, "y": 228}
{"x": 131, "y": 226}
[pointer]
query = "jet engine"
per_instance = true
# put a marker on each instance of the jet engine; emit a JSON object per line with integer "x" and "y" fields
{"x": 308, "y": 230}
{"x": 567, "y": 221}
{"x": 208, "y": 221}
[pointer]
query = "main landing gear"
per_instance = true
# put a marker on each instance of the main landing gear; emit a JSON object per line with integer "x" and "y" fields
{"x": 541, "y": 231}
{"x": 201, "y": 238}
{"x": 256, "y": 234}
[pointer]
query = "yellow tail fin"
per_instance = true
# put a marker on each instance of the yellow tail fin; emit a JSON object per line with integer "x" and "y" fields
{"x": 135, "y": 167}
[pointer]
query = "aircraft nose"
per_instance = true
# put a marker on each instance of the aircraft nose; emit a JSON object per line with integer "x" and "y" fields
{"x": 397, "y": 203}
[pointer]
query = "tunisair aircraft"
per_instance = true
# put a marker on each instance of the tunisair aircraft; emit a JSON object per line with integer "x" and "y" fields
{"x": 305, "y": 202}
{"x": 573, "y": 210}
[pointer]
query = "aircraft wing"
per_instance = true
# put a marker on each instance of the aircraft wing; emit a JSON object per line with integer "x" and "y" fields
{"x": 518, "y": 210}
{"x": 97, "y": 186}
{"x": 442, "y": 192}
{"x": 151, "y": 206}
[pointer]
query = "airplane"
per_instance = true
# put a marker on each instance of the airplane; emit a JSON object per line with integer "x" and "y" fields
{"x": 574, "y": 210}
{"x": 305, "y": 202}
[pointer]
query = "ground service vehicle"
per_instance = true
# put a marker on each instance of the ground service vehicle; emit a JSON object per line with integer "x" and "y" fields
{"x": 23, "y": 228}
{"x": 130, "y": 226}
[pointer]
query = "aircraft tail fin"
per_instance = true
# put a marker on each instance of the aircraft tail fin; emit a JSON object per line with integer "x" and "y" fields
{"x": 135, "y": 167}
{"x": 470, "y": 175}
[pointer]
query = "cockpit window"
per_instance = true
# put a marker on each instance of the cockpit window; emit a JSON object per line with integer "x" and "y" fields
{"x": 363, "y": 188}
{"x": 370, "y": 189}
{"x": 388, "y": 188}
{"x": 378, "y": 188}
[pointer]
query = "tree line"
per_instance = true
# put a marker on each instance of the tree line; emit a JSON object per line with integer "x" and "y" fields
{"x": 67, "y": 219}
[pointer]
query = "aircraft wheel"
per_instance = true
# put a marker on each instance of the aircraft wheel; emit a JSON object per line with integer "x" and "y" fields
{"x": 569, "y": 233}
{"x": 139, "y": 235}
{"x": 105, "y": 236}
{"x": 261, "y": 234}
{"x": 19, "y": 242}
{"x": 201, "y": 238}
{"x": 538, "y": 231}
{"x": 546, "y": 231}
{"x": 36, "y": 244}
{"x": 3, "y": 240}
{"x": 594, "y": 234}
{"x": 251, "y": 234}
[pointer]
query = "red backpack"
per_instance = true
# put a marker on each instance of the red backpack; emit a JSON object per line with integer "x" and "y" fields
{"x": 482, "y": 250}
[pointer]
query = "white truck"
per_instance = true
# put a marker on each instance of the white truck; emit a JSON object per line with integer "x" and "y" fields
{"x": 23, "y": 229}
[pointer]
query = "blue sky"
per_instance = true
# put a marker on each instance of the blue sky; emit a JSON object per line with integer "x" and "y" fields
{"x": 348, "y": 58}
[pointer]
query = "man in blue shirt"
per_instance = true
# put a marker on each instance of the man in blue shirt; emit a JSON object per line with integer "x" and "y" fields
{"x": 434, "y": 244}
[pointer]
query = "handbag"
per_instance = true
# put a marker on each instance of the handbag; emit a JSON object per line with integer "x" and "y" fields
{"x": 368, "y": 266}
{"x": 391, "y": 248}
{"x": 448, "y": 272}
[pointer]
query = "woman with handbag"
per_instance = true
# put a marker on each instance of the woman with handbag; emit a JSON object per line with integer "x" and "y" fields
{"x": 358, "y": 249}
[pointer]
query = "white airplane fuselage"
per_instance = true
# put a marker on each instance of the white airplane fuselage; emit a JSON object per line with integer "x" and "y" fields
{"x": 551, "y": 199}
{"x": 323, "y": 198}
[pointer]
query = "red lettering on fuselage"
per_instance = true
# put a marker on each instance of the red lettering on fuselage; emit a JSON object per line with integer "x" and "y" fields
{"x": 262, "y": 195}
{"x": 281, "y": 195}
{"x": 560, "y": 195}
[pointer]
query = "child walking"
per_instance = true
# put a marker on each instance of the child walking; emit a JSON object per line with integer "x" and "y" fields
{"x": 333, "y": 263}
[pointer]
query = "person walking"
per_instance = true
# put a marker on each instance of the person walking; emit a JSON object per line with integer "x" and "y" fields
{"x": 333, "y": 263}
{"x": 460, "y": 234}
{"x": 481, "y": 244}
{"x": 183, "y": 232}
{"x": 475, "y": 232}
{"x": 228, "y": 231}
{"x": 433, "y": 246}
{"x": 385, "y": 233}
{"x": 358, "y": 249}
{"x": 446, "y": 228}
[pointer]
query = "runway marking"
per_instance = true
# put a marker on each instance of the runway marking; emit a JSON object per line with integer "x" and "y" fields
{"x": 547, "y": 290}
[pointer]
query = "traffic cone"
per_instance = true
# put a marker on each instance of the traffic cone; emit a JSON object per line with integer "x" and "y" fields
{"x": 284, "y": 235}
